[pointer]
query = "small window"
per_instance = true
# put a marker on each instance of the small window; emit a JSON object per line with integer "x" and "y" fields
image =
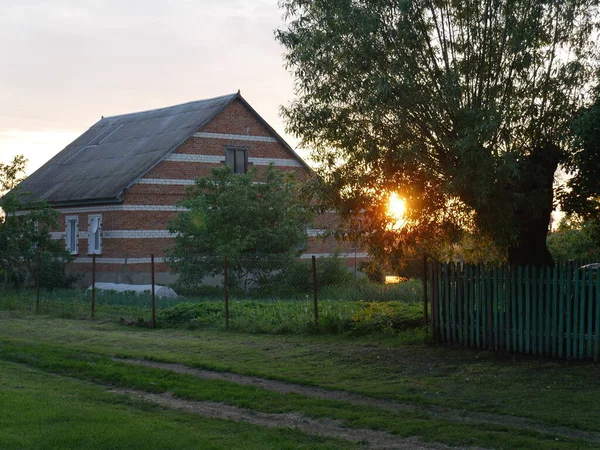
{"x": 95, "y": 234}
{"x": 237, "y": 159}
{"x": 72, "y": 234}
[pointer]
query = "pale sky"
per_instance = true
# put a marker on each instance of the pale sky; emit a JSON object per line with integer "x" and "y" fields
{"x": 66, "y": 63}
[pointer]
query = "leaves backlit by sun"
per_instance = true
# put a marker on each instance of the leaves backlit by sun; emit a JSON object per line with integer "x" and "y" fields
{"x": 396, "y": 208}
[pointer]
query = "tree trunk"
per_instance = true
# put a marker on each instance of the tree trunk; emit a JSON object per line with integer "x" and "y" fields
{"x": 530, "y": 247}
{"x": 534, "y": 208}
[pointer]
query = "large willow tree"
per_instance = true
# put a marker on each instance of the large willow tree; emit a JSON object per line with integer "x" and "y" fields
{"x": 462, "y": 107}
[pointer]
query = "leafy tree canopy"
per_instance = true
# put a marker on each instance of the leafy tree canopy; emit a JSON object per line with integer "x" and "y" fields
{"x": 576, "y": 239}
{"x": 248, "y": 219}
{"x": 461, "y": 107}
{"x": 23, "y": 236}
{"x": 582, "y": 193}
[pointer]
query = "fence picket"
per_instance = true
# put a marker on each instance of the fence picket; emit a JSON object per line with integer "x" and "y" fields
{"x": 484, "y": 308}
{"x": 540, "y": 303}
{"x": 514, "y": 307}
{"x": 453, "y": 306}
{"x": 489, "y": 307}
{"x": 477, "y": 306}
{"x": 560, "y": 340}
{"x": 547, "y": 309}
{"x": 509, "y": 307}
{"x": 597, "y": 306}
{"x": 496, "y": 307}
{"x": 520, "y": 307}
{"x": 527, "y": 310}
{"x": 575, "y": 352}
{"x": 569, "y": 309}
{"x": 447, "y": 303}
{"x": 554, "y": 325}
{"x": 534, "y": 310}
{"x": 440, "y": 302}
{"x": 460, "y": 303}
{"x": 501, "y": 308}
{"x": 590, "y": 285}
{"x": 465, "y": 312}
{"x": 471, "y": 306}
{"x": 581, "y": 284}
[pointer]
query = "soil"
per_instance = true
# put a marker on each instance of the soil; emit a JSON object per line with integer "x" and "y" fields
{"x": 455, "y": 415}
{"x": 325, "y": 427}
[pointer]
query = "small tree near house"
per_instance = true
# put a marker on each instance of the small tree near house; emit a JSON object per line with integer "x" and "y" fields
{"x": 25, "y": 237}
{"x": 258, "y": 223}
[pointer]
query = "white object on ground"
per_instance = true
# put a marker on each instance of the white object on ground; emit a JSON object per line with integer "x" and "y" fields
{"x": 160, "y": 291}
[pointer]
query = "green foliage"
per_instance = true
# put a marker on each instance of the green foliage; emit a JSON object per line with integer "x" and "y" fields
{"x": 382, "y": 317}
{"x": 374, "y": 271}
{"x": 463, "y": 108}
{"x": 575, "y": 240}
{"x": 330, "y": 271}
{"x": 256, "y": 223}
{"x": 12, "y": 174}
{"x": 281, "y": 317}
{"x": 23, "y": 237}
{"x": 583, "y": 194}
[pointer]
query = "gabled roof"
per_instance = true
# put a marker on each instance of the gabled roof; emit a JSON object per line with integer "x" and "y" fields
{"x": 105, "y": 160}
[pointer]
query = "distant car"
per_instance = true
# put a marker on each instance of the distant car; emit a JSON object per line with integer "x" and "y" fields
{"x": 592, "y": 266}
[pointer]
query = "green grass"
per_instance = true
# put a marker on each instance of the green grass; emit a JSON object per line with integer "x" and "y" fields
{"x": 397, "y": 367}
{"x": 43, "y": 411}
{"x": 89, "y": 366}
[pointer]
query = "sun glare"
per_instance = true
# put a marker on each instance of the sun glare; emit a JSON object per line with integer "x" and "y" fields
{"x": 396, "y": 208}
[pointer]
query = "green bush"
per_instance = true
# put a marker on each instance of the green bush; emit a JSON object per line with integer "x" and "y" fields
{"x": 296, "y": 317}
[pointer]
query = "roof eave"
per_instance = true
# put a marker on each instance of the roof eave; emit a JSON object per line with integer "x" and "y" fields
{"x": 86, "y": 202}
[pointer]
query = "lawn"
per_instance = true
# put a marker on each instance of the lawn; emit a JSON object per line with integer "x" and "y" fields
{"x": 447, "y": 395}
{"x": 44, "y": 411}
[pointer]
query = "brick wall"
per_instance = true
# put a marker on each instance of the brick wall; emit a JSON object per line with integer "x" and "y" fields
{"x": 138, "y": 227}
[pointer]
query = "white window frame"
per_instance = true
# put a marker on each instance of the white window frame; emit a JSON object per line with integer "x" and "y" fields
{"x": 92, "y": 249}
{"x": 69, "y": 237}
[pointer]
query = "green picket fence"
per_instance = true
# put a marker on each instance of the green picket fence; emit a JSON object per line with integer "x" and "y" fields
{"x": 541, "y": 311}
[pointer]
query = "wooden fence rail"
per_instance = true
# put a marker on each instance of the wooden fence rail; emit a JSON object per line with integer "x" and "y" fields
{"x": 541, "y": 311}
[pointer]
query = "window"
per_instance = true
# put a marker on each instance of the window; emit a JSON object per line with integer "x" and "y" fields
{"x": 72, "y": 234}
{"x": 236, "y": 159}
{"x": 95, "y": 234}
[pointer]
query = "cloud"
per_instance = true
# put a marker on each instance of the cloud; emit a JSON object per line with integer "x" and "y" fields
{"x": 66, "y": 63}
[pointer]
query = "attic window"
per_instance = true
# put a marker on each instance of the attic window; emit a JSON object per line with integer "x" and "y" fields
{"x": 236, "y": 159}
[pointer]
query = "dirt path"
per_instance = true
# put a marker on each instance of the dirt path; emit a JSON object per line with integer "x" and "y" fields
{"x": 325, "y": 427}
{"x": 455, "y": 415}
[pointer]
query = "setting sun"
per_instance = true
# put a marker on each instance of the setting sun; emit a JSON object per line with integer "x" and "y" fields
{"x": 396, "y": 208}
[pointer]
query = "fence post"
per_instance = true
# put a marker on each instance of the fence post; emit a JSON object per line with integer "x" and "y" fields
{"x": 153, "y": 292}
{"x": 37, "y": 282}
{"x": 93, "y": 285}
{"x": 425, "y": 306}
{"x": 225, "y": 280}
{"x": 314, "y": 282}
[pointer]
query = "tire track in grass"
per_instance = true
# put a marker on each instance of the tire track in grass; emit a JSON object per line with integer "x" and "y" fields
{"x": 455, "y": 415}
{"x": 322, "y": 427}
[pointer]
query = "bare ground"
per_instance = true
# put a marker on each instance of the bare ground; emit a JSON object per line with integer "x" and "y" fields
{"x": 323, "y": 427}
{"x": 456, "y": 415}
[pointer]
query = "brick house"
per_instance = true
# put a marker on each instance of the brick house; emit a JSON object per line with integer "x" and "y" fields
{"x": 118, "y": 184}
